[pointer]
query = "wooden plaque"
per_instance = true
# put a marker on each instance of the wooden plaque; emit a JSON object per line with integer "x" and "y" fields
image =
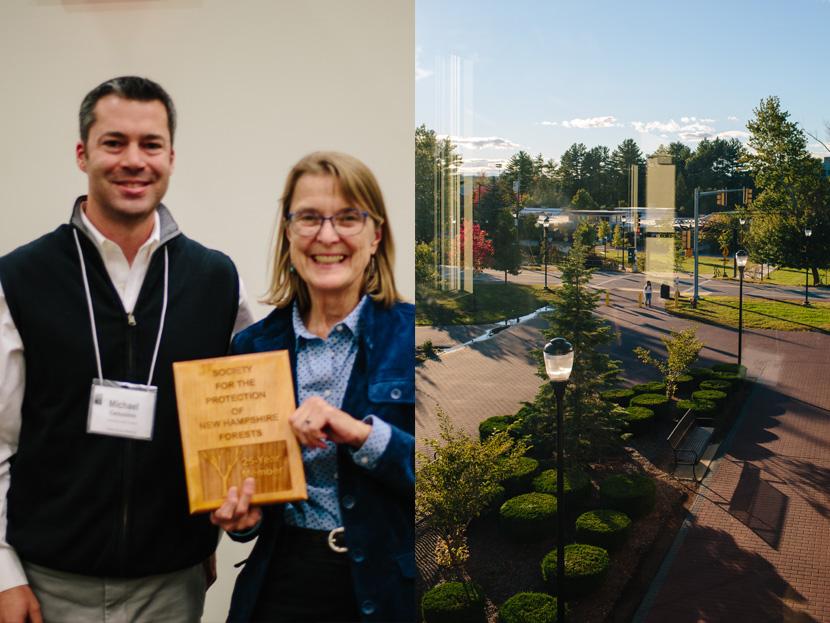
{"x": 233, "y": 415}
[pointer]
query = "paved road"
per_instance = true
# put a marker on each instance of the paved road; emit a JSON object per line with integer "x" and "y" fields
{"x": 757, "y": 545}
{"x": 635, "y": 281}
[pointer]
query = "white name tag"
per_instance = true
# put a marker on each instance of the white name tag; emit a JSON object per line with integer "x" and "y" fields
{"x": 122, "y": 409}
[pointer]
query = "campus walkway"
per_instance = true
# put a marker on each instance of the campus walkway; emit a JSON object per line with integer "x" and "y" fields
{"x": 756, "y": 546}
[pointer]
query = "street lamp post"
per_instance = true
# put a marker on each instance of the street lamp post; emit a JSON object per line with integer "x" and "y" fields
{"x": 545, "y": 225}
{"x": 625, "y": 240}
{"x": 807, "y": 233}
{"x": 544, "y": 221}
{"x": 559, "y": 359}
{"x": 740, "y": 259}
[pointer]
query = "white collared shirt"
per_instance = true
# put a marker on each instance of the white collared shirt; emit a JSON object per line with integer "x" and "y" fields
{"x": 127, "y": 280}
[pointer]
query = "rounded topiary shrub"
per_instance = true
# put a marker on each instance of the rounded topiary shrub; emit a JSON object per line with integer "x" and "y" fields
{"x": 701, "y": 408}
{"x": 529, "y": 608}
{"x": 732, "y": 377}
{"x": 604, "y": 528}
{"x": 633, "y": 494}
{"x": 519, "y": 480}
{"x": 585, "y": 569}
{"x": 453, "y": 602}
{"x": 685, "y": 385}
{"x": 577, "y": 485}
{"x": 618, "y": 396}
{"x": 709, "y": 395}
{"x": 718, "y": 384}
{"x": 700, "y": 374}
{"x": 654, "y": 387}
{"x": 656, "y": 402}
{"x": 529, "y": 517}
{"x": 640, "y": 419}
{"x": 493, "y": 425}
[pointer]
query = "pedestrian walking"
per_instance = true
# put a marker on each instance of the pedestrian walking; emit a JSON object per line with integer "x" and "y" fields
{"x": 647, "y": 293}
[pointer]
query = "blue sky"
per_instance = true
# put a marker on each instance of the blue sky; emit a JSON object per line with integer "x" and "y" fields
{"x": 540, "y": 75}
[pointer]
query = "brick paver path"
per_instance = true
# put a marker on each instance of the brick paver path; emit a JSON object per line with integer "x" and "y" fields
{"x": 757, "y": 545}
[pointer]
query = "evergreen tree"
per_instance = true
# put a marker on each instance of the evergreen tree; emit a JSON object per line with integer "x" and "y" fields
{"x": 582, "y": 200}
{"x": 626, "y": 154}
{"x": 591, "y": 426}
{"x": 506, "y": 254}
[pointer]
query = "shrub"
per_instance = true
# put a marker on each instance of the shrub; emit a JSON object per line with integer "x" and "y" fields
{"x": 654, "y": 387}
{"x": 633, "y": 494}
{"x": 685, "y": 384}
{"x": 719, "y": 384}
{"x": 639, "y": 419}
{"x": 656, "y": 402}
{"x": 604, "y": 528}
{"x": 618, "y": 396}
{"x": 529, "y": 608}
{"x": 518, "y": 481}
{"x": 709, "y": 395}
{"x": 732, "y": 377}
{"x": 585, "y": 569}
{"x": 701, "y": 408}
{"x": 453, "y": 602}
{"x": 577, "y": 485}
{"x": 494, "y": 424}
{"x": 700, "y": 374}
{"x": 498, "y": 499}
{"x": 529, "y": 517}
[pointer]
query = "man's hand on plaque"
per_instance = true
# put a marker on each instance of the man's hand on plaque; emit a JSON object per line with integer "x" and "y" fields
{"x": 237, "y": 514}
{"x": 316, "y": 421}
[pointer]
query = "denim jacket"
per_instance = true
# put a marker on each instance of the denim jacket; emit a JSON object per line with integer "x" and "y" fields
{"x": 378, "y": 505}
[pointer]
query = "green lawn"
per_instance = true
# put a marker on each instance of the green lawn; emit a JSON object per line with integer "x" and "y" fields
{"x": 758, "y": 313}
{"x": 491, "y": 302}
{"x": 781, "y": 276}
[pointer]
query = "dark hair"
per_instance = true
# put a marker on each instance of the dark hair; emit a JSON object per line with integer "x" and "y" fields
{"x": 129, "y": 88}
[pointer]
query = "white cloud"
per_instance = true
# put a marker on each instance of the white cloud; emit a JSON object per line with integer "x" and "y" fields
{"x": 482, "y": 166}
{"x": 732, "y": 118}
{"x": 420, "y": 72}
{"x": 607, "y": 121}
{"x": 482, "y": 142}
{"x": 739, "y": 134}
{"x": 689, "y": 129}
{"x": 549, "y": 123}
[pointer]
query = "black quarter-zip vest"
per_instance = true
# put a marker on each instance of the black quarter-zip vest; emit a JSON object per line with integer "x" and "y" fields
{"x": 87, "y": 503}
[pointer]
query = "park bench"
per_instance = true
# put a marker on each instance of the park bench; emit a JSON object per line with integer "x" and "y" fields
{"x": 689, "y": 441}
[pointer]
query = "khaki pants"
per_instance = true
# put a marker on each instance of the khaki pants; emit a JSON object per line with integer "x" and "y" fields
{"x": 177, "y": 597}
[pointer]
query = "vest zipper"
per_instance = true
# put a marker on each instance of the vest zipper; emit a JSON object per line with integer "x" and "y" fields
{"x": 126, "y": 483}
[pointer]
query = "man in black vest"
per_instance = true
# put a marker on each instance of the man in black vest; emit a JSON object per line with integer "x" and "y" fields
{"x": 94, "y": 521}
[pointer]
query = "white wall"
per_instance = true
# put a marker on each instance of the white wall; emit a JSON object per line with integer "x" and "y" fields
{"x": 257, "y": 84}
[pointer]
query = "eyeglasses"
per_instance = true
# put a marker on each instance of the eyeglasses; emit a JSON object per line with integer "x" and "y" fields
{"x": 346, "y": 223}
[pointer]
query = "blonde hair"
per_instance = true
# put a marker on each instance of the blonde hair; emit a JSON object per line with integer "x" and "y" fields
{"x": 358, "y": 185}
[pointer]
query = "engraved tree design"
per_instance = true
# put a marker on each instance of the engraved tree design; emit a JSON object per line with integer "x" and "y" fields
{"x": 223, "y": 460}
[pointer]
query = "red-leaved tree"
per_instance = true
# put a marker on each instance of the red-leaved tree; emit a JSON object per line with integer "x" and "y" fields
{"x": 482, "y": 247}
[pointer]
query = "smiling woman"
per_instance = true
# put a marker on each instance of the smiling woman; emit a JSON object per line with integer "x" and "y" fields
{"x": 346, "y": 553}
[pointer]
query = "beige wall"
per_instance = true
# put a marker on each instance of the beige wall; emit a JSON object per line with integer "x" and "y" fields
{"x": 257, "y": 83}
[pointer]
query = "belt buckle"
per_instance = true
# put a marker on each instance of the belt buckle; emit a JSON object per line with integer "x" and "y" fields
{"x": 332, "y": 541}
